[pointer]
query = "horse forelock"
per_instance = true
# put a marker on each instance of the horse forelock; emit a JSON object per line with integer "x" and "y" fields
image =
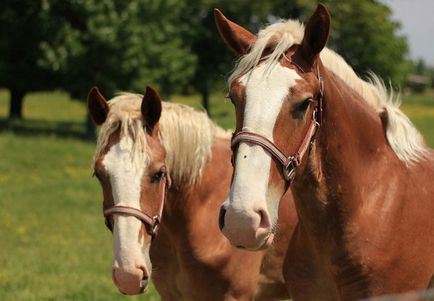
{"x": 278, "y": 37}
{"x": 186, "y": 134}
{"x": 402, "y": 135}
{"x": 125, "y": 116}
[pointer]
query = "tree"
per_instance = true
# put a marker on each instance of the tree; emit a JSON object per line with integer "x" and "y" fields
{"x": 214, "y": 62}
{"x": 366, "y": 36}
{"x": 126, "y": 45}
{"x": 362, "y": 32}
{"x": 75, "y": 44}
{"x": 26, "y": 29}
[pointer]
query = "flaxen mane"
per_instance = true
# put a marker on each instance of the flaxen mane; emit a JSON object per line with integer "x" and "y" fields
{"x": 401, "y": 134}
{"x": 186, "y": 134}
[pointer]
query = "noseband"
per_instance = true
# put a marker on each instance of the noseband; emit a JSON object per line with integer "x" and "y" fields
{"x": 290, "y": 163}
{"x": 152, "y": 222}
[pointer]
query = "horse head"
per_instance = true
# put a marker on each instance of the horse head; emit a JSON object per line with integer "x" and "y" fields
{"x": 276, "y": 90}
{"x": 130, "y": 166}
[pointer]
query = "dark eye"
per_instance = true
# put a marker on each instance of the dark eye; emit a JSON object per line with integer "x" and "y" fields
{"x": 304, "y": 105}
{"x": 301, "y": 108}
{"x": 159, "y": 175}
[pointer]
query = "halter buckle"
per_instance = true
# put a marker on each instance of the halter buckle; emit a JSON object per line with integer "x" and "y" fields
{"x": 290, "y": 168}
{"x": 155, "y": 226}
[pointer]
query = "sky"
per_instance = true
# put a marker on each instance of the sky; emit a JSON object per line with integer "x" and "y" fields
{"x": 417, "y": 21}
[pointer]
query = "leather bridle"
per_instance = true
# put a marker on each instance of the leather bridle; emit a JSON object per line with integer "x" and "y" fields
{"x": 290, "y": 163}
{"x": 151, "y": 221}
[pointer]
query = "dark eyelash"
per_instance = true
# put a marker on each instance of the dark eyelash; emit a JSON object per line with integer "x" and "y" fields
{"x": 304, "y": 105}
{"x": 159, "y": 175}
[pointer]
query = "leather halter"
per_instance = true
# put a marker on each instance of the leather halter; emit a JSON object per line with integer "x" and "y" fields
{"x": 152, "y": 222}
{"x": 290, "y": 163}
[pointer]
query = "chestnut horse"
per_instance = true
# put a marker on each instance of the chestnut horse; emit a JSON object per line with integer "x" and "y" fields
{"x": 360, "y": 173}
{"x": 175, "y": 170}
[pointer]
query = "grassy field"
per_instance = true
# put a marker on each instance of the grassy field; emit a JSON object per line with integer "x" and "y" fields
{"x": 53, "y": 243}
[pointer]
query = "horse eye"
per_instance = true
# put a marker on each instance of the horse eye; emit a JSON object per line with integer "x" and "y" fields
{"x": 300, "y": 108}
{"x": 304, "y": 105}
{"x": 159, "y": 175}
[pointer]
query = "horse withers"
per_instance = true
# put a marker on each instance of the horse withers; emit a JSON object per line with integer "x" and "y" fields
{"x": 359, "y": 171}
{"x": 165, "y": 170}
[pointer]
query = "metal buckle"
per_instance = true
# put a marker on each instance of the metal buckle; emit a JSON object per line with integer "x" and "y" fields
{"x": 156, "y": 226}
{"x": 315, "y": 117}
{"x": 289, "y": 175}
{"x": 289, "y": 169}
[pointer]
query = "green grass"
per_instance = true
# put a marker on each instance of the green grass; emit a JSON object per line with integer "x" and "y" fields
{"x": 420, "y": 109}
{"x": 53, "y": 242}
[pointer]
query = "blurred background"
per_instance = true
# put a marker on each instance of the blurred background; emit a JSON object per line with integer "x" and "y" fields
{"x": 53, "y": 242}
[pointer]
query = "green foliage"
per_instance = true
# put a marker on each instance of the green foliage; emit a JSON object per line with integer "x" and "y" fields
{"x": 75, "y": 44}
{"x": 364, "y": 34}
{"x": 172, "y": 44}
{"x": 420, "y": 67}
{"x": 214, "y": 60}
{"x": 362, "y": 31}
{"x": 126, "y": 45}
{"x": 27, "y": 29}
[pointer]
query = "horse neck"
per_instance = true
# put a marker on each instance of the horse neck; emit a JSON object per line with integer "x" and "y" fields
{"x": 346, "y": 156}
{"x": 192, "y": 208}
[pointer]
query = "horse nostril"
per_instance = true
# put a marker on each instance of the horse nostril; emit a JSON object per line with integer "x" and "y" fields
{"x": 264, "y": 219}
{"x": 144, "y": 284}
{"x": 222, "y": 217}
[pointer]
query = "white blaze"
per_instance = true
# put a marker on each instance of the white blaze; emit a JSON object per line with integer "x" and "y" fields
{"x": 265, "y": 95}
{"x": 129, "y": 251}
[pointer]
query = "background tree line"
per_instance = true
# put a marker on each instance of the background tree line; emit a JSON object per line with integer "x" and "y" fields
{"x": 172, "y": 44}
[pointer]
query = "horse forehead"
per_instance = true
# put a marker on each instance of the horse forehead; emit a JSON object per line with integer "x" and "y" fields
{"x": 157, "y": 152}
{"x": 119, "y": 158}
{"x": 265, "y": 92}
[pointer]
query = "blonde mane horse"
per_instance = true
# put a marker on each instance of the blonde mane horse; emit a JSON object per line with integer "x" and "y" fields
{"x": 359, "y": 171}
{"x": 145, "y": 144}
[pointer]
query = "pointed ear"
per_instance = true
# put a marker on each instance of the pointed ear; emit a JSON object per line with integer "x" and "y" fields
{"x": 316, "y": 34}
{"x": 151, "y": 107}
{"x": 237, "y": 38}
{"x": 97, "y": 105}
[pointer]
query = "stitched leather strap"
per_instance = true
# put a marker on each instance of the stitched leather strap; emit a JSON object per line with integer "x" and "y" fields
{"x": 152, "y": 221}
{"x": 289, "y": 163}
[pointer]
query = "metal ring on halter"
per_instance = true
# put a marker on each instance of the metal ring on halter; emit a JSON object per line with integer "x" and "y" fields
{"x": 315, "y": 117}
{"x": 289, "y": 169}
{"x": 155, "y": 226}
{"x": 268, "y": 145}
{"x": 152, "y": 223}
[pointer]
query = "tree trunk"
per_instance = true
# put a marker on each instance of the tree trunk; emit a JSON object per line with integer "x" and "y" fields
{"x": 16, "y": 104}
{"x": 205, "y": 98}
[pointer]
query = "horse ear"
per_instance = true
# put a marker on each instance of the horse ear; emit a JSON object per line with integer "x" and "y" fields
{"x": 237, "y": 38}
{"x": 97, "y": 105}
{"x": 151, "y": 107}
{"x": 316, "y": 34}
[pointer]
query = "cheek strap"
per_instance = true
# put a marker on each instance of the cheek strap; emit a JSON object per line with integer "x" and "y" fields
{"x": 290, "y": 163}
{"x": 151, "y": 221}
